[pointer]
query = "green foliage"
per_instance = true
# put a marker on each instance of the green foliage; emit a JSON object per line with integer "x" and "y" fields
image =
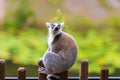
{"x": 113, "y": 21}
{"x": 58, "y": 17}
{"x": 54, "y": 2}
{"x": 105, "y": 4}
{"x": 19, "y": 16}
{"x": 81, "y": 24}
{"x": 23, "y": 48}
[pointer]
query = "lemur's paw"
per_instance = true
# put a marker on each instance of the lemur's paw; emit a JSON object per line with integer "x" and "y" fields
{"x": 52, "y": 77}
{"x": 40, "y": 61}
{"x": 42, "y": 70}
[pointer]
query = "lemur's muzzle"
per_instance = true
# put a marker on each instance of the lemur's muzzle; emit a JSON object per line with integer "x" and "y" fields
{"x": 56, "y": 29}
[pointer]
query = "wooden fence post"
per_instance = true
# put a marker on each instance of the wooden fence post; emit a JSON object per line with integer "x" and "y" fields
{"x": 41, "y": 76}
{"x": 2, "y": 69}
{"x": 84, "y": 70}
{"x": 64, "y": 75}
{"x": 21, "y": 73}
{"x": 104, "y": 74}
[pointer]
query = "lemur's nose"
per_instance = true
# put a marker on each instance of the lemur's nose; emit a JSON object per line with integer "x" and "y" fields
{"x": 56, "y": 28}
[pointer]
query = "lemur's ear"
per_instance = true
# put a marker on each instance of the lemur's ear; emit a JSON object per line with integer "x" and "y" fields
{"x": 62, "y": 24}
{"x": 48, "y": 24}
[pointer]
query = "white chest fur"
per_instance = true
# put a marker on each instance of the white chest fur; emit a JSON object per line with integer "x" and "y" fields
{"x": 50, "y": 40}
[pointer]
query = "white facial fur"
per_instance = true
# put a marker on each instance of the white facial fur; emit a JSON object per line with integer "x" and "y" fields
{"x": 52, "y": 26}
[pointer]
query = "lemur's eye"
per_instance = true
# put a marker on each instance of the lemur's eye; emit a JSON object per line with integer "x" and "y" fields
{"x": 59, "y": 25}
{"x": 53, "y": 26}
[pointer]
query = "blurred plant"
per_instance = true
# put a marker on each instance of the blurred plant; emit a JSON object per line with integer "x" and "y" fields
{"x": 25, "y": 48}
{"x": 58, "y": 17}
{"x": 20, "y": 16}
{"x": 81, "y": 24}
{"x": 113, "y": 21}
{"x": 105, "y": 4}
{"x": 54, "y": 2}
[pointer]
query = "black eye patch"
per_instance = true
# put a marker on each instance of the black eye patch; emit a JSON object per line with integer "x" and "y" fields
{"x": 58, "y": 26}
{"x": 52, "y": 26}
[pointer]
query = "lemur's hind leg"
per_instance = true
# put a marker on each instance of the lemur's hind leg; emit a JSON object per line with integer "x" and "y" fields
{"x": 41, "y": 68}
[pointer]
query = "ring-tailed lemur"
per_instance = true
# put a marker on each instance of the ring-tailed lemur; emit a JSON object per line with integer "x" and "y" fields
{"x": 61, "y": 54}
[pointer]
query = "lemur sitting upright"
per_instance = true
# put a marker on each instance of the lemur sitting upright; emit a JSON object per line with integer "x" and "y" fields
{"x": 61, "y": 54}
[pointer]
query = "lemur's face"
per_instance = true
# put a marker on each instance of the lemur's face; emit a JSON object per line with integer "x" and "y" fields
{"x": 55, "y": 27}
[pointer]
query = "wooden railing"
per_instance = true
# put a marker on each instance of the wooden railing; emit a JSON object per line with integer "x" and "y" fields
{"x": 104, "y": 74}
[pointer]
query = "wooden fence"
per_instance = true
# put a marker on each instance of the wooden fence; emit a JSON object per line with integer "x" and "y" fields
{"x": 21, "y": 74}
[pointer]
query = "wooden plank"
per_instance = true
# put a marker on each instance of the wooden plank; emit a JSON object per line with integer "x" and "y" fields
{"x": 2, "y": 69}
{"x": 21, "y": 73}
{"x": 69, "y": 78}
{"x": 84, "y": 70}
{"x": 64, "y": 75}
{"x": 104, "y": 74}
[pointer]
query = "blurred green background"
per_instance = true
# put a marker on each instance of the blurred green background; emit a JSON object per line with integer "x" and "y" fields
{"x": 95, "y": 24}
